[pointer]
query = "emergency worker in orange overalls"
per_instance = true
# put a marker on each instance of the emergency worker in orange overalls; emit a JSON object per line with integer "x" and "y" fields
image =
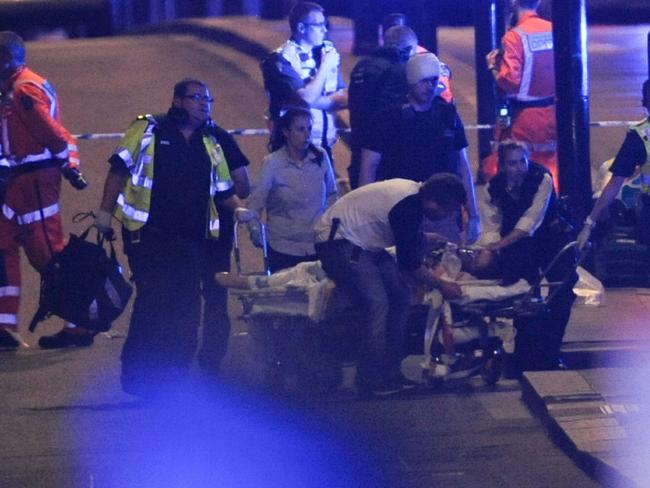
{"x": 524, "y": 71}
{"x": 36, "y": 149}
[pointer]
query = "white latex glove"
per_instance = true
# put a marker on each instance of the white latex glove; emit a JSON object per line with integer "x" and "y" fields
{"x": 473, "y": 229}
{"x": 103, "y": 221}
{"x": 583, "y": 236}
{"x": 242, "y": 214}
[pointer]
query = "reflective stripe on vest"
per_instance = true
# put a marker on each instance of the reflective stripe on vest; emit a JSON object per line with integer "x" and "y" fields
{"x": 134, "y": 202}
{"x": 219, "y": 179}
{"x": 132, "y": 212}
{"x": 49, "y": 91}
{"x": 537, "y": 76}
{"x": 305, "y": 66}
{"x": 71, "y": 152}
{"x": 643, "y": 130}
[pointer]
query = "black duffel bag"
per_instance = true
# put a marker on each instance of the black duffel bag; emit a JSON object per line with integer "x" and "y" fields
{"x": 84, "y": 285}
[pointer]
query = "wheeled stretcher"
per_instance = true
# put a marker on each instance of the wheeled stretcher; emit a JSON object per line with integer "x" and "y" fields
{"x": 302, "y": 330}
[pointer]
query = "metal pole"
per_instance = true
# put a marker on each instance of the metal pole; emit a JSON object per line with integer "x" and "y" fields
{"x": 489, "y": 25}
{"x": 649, "y": 55}
{"x": 423, "y": 17}
{"x": 572, "y": 91}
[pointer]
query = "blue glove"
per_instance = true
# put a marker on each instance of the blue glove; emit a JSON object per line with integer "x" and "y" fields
{"x": 255, "y": 234}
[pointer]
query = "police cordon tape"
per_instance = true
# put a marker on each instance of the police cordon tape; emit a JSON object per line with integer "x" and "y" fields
{"x": 265, "y": 132}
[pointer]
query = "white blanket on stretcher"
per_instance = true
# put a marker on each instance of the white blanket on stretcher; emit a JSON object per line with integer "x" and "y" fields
{"x": 303, "y": 290}
{"x": 476, "y": 290}
{"x": 299, "y": 291}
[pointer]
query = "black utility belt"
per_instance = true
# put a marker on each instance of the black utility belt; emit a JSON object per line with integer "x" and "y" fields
{"x": 35, "y": 166}
{"x": 521, "y": 104}
{"x": 355, "y": 250}
{"x": 149, "y": 232}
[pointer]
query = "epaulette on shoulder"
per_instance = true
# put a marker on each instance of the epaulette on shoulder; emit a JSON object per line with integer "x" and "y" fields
{"x": 148, "y": 117}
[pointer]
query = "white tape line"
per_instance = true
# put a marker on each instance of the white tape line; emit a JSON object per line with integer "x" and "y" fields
{"x": 265, "y": 132}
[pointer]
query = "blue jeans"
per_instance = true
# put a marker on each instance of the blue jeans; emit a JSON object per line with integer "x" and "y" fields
{"x": 372, "y": 281}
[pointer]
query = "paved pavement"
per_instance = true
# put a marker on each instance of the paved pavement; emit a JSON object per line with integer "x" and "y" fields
{"x": 600, "y": 416}
{"x": 62, "y": 428}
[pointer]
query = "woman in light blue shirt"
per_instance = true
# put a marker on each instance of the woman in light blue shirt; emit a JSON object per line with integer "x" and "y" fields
{"x": 295, "y": 185}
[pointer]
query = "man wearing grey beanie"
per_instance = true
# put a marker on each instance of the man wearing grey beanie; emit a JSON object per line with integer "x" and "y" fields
{"x": 419, "y": 139}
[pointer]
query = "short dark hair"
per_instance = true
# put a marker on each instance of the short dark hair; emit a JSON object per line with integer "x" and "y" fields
{"x": 400, "y": 36}
{"x": 508, "y": 145}
{"x": 180, "y": 88}
{"x": 391, "y": 20}
{"x": 300, "y": 12}
{"x": 12, "y": 47}
{"x": 445, "y": 189}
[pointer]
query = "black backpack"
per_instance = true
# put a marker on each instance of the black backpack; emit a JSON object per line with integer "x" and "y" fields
{"x": 376, "y": 82}
{"x": 83, "y": 285}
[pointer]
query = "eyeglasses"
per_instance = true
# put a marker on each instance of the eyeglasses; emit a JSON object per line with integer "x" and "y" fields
{"x": 320, "y": 25}
{"x": 197, "y": 97}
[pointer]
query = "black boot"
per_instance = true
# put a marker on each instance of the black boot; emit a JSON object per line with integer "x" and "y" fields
{"x": 64, "y": 338}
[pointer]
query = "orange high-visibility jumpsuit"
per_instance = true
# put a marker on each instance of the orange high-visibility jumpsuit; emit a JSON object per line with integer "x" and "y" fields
{"x": 34, "y": 146}
{"x": 527, "y": 77}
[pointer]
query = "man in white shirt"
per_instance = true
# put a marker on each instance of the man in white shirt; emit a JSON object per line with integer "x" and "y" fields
{"x": 351, "y": 238}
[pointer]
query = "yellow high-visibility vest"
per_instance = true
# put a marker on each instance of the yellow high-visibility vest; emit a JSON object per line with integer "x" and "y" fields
{"x": 137, "y": 150}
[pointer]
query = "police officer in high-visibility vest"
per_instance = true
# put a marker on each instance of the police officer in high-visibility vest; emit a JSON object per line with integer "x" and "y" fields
{"x": 633, "y": 154}
{"x": 165, "y": 179}
{"x": 305, "y": 71}
{"x": 524, "y": 72}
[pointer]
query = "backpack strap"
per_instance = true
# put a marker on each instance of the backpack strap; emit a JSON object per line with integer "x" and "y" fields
{"x": 41, "y": 314}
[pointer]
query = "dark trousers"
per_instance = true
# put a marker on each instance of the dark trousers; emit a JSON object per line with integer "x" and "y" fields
{"x": 216, "y": 323}
{"x": 162, "y": 335}
{"x": 355, "y": 164}
{"x": 279, "y": 261}
{"x": 642, "y": 212}
{"x": 539, "y": 338}
{"x": 372, "y": 281}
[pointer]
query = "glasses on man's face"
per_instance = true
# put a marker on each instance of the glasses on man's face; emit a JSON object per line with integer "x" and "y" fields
{"x": 197, "y": 97}
{"x": 318, "y": 25}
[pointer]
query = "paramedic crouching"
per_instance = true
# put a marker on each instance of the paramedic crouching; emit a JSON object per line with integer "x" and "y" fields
{"x": 532, "y": 233}
{"x": 351, "y": 238}
{"x": 166, "y": 177}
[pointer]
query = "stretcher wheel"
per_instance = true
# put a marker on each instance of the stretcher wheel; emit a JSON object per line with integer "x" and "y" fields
{"x": 492, "y": 368}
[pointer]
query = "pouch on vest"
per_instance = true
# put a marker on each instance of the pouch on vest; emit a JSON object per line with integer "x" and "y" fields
{"x": 83, "y": 284}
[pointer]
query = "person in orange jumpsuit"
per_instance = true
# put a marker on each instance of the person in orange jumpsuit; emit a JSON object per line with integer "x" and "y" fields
{"x": 36, "y": 150}
{"x": 524, "y": 72}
